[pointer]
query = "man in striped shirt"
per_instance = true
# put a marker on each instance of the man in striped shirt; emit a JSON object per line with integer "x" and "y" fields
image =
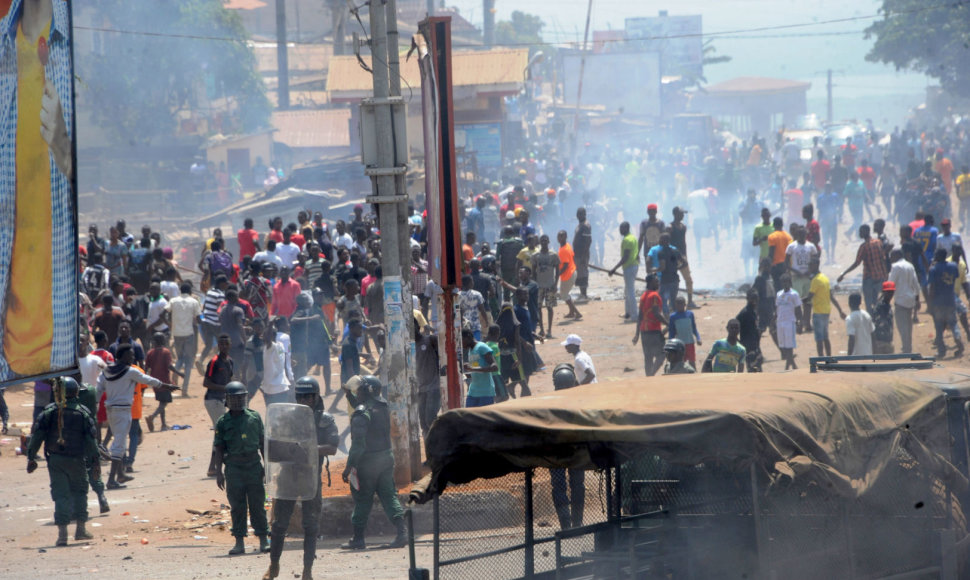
{"x": 210, "y": 326}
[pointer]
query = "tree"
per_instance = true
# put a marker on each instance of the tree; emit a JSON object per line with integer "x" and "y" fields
{"x": 522, "y": 29}
{"x": 166, "y": 57}
{"x": 709, "y": 57}
{"x": 928, "y": 36}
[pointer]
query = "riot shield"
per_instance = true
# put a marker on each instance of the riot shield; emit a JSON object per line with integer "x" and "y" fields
{"x": 291, "y": 452}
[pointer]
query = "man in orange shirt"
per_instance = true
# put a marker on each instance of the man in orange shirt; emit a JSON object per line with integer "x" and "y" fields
{"x": 134, "y": 433}
{"x": 944, "y": 167}
{"x": 567, "y": 273}
{"x": 778, "y": 242}
{"x": 468, "y": 252}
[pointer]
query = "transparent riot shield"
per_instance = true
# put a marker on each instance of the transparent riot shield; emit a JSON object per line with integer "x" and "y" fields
{"x": 291, "y": 452}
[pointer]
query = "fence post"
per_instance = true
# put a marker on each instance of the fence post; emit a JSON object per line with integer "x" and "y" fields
{"x": 529, "y": 527}
{"x": 437, "y": 536}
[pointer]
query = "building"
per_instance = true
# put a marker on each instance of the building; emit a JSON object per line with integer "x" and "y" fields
{"x": 482, "y": 80}
{"x": 753, "y": 104}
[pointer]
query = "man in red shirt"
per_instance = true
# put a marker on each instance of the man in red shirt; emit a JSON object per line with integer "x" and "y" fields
{"x": 820, "y": 171}
{"x": 649, "y": 329}
{"x": 868, "y": 176}
{"x": 567, "y": 273}
{"x": 849, "y": 151}
{"x": 285, "y": 292}
{"x": 248, "y": 240}
{"x": 813, "y": 233}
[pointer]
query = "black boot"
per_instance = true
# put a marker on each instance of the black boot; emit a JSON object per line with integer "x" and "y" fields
{"x": 61, "y": 535}
{"x": 103, "y": 503}
{"x": 357, "y": 542}
{"x": 120, "y": 471}
{"x": 81, "y": 533}
{"x": 401, "y": 539}
{"x": 113, "y": 475}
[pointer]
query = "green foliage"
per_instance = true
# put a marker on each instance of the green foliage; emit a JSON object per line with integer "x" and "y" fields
{"x": 520, "y": 30}
{"x": 928, "y": 36}
{"x": 137, "y": 82}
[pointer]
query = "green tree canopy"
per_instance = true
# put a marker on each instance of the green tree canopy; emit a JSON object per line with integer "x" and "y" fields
{"x": 928, "y": 36}
{"x": 168, "y": 57}
{"x": 521, "y": 29}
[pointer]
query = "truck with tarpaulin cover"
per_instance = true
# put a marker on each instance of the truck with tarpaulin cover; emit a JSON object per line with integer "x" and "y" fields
{"x": 794, "y": 475}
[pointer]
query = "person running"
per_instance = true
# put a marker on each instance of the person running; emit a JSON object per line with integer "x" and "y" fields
{"x": 727, "y": 355}
{"x": 567, "y": 274}
{"x": 778, "y": 242}
{"x": 942, "y": 302}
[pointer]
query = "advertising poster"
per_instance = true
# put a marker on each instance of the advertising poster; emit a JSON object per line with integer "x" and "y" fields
{"x": 38, "y": 229}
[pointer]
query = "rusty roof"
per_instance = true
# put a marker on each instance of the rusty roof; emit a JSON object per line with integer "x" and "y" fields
{"x": 481, "y": 68}
{"x": 756, "y": 85}
{"x": 243, "y": 4}
{"x": 319, "y": 128}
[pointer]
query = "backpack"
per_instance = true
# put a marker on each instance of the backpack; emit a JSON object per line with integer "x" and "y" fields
{"x": 93, "y": 280}
{"x": 220, "y": 263}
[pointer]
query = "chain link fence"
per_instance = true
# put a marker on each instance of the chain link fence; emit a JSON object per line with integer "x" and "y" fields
{"x": 697, "y": 521}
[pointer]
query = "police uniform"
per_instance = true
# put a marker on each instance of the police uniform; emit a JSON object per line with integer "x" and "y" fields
{"x": 679, "y": 368}
{"x": 327, "y": 434}
{"x": 370, "y": 453}
{"x": 67, "y": 450}
{"x": 240, "y": 437}
{"x": 88, "y": 399}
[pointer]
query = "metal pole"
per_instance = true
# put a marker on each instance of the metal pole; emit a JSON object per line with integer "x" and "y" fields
{"x": 405, "y": 331}
{"x": 282, "y": 61}
{"x": 828, "y": 90}
{"x": 398, "y": 389}
{"x": 530, "y": 565}
{"x": 488, "y": 23}
{"x": 582, "y": 71}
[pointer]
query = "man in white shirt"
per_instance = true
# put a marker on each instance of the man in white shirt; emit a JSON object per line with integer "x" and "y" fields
{"x": 906, "y": 299}
{"x": 268, "y": 256}
{"x": 184, "y": 311}
{"x": 788, "y": 310}
{"x": 859, "y": 327}
{"x": 288, "y": 252}
{"x": 343, "y": 239}
{"x": 947, "y": 238}
{"x": 798, "y": 257}
{"x": 157, "y": 319}
{"x": 277, "y": 377}
{"x": 90, "y": 365}
{"x": 582, "y": 362}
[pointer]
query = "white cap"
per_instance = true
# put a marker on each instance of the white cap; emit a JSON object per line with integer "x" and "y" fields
{"x": 572, "y": 339}
{"x": 510, "y": 215}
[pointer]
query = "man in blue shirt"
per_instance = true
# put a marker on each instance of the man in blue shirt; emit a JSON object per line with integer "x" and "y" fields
{"x": 480, "y": 364}
{"x": 942, "y": 301}
{"x": 926, "y": 236}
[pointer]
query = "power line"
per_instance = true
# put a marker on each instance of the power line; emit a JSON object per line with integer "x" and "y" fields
{"x": 951, "y": 4}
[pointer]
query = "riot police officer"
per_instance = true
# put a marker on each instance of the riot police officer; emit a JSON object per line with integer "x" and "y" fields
{"x": 68, "y": 433}
{"x": 370, "y": 463}
{"x": 89, "y": 401}
{"x": 237, "y": 444}
{"x": 307, "y": 392}
{"x": 568, "y": 485}
{"x": 674, "y": 351}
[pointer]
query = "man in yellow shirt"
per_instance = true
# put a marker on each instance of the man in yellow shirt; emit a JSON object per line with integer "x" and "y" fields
{"x": 963, "y": 196}
{"x": 821, "y": 299}
{"x": 630, "y": 262}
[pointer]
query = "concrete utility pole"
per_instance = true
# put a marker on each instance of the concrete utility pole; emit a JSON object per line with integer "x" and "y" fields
{"x": 488, "y": 23}
{"x": 387, "y": 176}
{"x": 282, "y": 61}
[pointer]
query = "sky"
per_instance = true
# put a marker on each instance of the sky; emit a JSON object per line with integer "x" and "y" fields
{"x": 802, "y": 53}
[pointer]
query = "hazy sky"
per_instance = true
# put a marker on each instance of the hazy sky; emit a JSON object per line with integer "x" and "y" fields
{"x": 797, "y": 53}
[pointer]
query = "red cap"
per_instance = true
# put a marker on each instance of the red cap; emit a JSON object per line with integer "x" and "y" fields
{"x": 652, "y": 206}
{"x": 888, "y": 287}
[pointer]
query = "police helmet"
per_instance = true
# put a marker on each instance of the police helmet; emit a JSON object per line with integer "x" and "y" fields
{"x": 564, "y": 376}
{"x": 306, "y": 386}
{"x": 70, "y": 386}
{"x": 366, "y": 387}
{"x": 675, "y": 345}
{"x": 236, "y": 396}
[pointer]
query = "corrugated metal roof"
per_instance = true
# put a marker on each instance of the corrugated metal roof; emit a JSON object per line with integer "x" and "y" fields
{"x": 243, "y": 4}
{"x": 760, "y": 85}
{"x": 320, "y": 128}
{"x": 501, "y": 66}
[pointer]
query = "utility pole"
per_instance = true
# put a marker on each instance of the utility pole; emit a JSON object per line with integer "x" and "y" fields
{"x": 488, "y": 23}
{"x": 384, "y": 174}
{"x": 282, "y": 61}
{"x": 579, "y": 89}
{"x": 405, "y": 327}
{"x": 828, "y": 90}
{"x": 430, "y": 7}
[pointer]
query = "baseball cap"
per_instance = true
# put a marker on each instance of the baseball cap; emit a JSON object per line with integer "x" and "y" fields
{"x": 572, "y": 339}
{"x": 888, "y": 286}
{"x": 678, "y": 209}
{"x": 945, "y": 222}
{"x": 652, "y": 206}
